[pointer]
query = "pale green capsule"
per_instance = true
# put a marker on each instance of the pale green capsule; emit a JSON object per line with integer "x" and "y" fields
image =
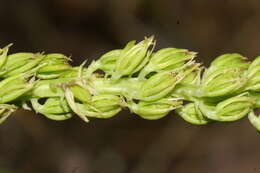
{"x": 107, "y": 62}
{"x": 31, "y": 64}
{"x": 80, "y": 93}
{"x": 13, "y": 83}
{"x": 192, "y": 114}
{"x": 193, "y": 76}
{"x": 229, "y": 60}
{"x": 54, "y": 65}
{"x": 132, "y": 57}
{"x": 253, "y": 75}
{"x": 17, "y": 60}
{"x": 235, "y": 106}
{"x": 231, "y": 109}
{"x": 155, "y": 110}
{"x": 54, "y": 108}
{"x": 167, "y": 59}
{"x": 102, "y": 106}
{"x": 14, "y": 95}
{"x": 13, "y": 87}
{"x": 159, "y": 85}
{"x": 223, "y": 82}
{"x": 50, "y": 88}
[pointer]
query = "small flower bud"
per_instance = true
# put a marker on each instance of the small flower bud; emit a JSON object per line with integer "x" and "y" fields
{"x": 167, "y": 59}
{"x": 132, "y": 58}
{"x": 192, "y": 114}
{"x": 155, "y": 110}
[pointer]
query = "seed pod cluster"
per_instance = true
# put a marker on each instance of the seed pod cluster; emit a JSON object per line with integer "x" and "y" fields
{"x": 149, "y": 84}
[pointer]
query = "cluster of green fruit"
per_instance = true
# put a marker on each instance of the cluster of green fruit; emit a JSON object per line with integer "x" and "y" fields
{"x": 150, "y": 84}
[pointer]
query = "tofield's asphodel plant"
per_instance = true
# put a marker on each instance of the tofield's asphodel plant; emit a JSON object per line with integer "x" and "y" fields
{"x": 150, "y": 84}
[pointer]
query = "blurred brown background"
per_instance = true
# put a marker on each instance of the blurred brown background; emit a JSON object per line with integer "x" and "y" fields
{"x": 30, "y": 143}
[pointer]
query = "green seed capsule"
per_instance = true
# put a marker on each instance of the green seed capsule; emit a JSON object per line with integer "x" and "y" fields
{"x": 50, "y": 88}
{"x": 192, "y": 114}
{"x": 223, "y": 82}
{"x": 167, "y": 59}
{"x": 5, "y": 111}
{"x": 13, "y": 87}
{"x": 132, "y": 58}
{"x": 17, "y": 60}
{"x": 30, "y": 65}
{"x": 102, "y": 106}
{"x": 107, "y": 62}
{"x": 229, "y": 61}
{"x": 231, "y": 109}
{"x": 253, "y": 75}
{"x": 159, "y": 85}
{"x": 55, "y": 66}
{"x": 155, "y": 110}
{"x": 80, "y": 93}
{"x": 54, "y": 108}
{"x": 15, "y": 94}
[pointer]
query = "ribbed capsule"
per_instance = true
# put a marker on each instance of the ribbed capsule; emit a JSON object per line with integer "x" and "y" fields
{"x": 132, "y": 58}
{"x": 16, "y": 61}
{"x": 54, "y": 65}
{"x": 192, "y": 114}
{"x": 50, "y": 88}
{"x": 102, "y": 106}
{"x": 13, "y": 87}
{"x": 22, "y": 64}
{"x": 253, "y": 75}
{"x": 167, "y": 59}
{"x": 231, "y": 109}
{"x": 54, "y": 108}
{"x": 223, "y": 82}
{"x": 225, "y": 61}
{"x": 80, "y": 93}
{"x": 155, "y": 110}
{"x": 159, "y": 85}
{"x": 235, "y": 107}
{"x": 107, "y": 62}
